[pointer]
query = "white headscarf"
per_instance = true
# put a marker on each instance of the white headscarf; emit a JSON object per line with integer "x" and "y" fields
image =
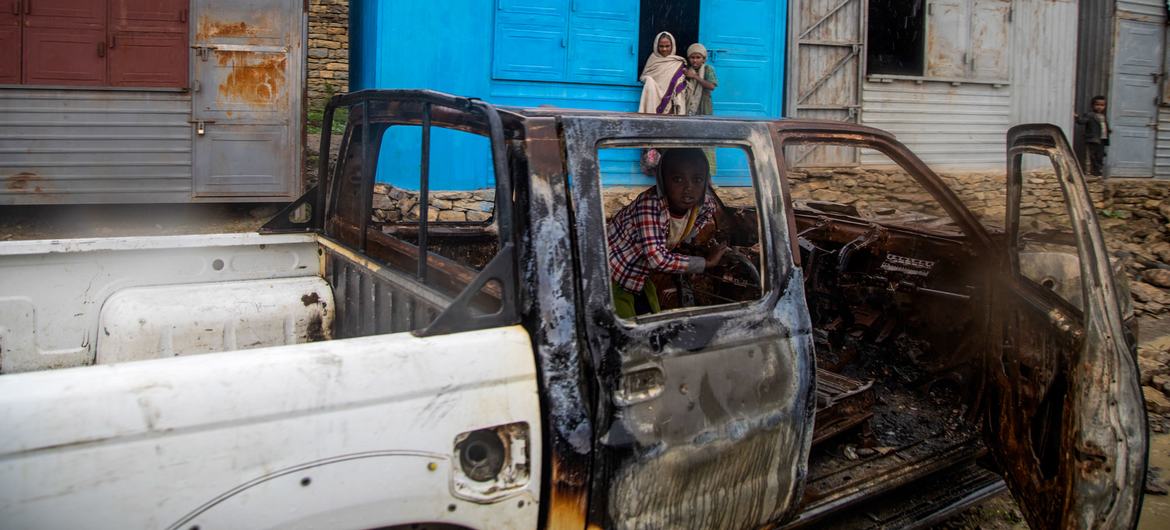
{"x": 661, "y": 74}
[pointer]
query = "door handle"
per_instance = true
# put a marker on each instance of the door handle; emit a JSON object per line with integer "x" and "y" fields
{"x": 28, "y": 7}
{"x": 15, "y": 7}
{"x": 101, "y": 49}
{"x": 113, "y": 41}
{"x": 182, "y": 15}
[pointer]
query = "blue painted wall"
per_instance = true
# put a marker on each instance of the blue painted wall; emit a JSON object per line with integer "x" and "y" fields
{"x": 564, "y": 53}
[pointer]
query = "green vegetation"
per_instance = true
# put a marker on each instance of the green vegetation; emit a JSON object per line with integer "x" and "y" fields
{"x": 316, "y": 114}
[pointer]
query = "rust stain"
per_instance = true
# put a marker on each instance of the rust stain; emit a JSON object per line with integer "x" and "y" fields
{"x": 217, "y": 28}
{"x": 22, "y": 180}
{"x": 254, "y": 79}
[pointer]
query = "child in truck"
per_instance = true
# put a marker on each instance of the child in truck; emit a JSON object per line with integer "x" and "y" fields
{"x": 642, "y": 236}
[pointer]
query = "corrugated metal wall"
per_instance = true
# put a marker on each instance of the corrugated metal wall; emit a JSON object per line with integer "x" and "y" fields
{"x": 114, "y": 146}
{"x": 1044, "y": 46}
{"x": 948, "y": 126}
{"x": 1162, "y": 144}
{"x": 1094, "y": 48}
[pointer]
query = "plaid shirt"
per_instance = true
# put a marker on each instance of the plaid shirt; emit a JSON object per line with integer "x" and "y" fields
{"x": 637, "y": 239}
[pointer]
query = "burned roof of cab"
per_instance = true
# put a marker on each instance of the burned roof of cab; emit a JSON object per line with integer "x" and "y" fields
{"x": 446, "y": 110}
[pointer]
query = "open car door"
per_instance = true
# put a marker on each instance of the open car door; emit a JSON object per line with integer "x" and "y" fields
{"x": 1066, "y": 419}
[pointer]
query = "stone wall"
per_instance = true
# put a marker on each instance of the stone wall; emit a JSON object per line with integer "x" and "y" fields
{"x": 328, "y": 49}
{"x": 395, "y": 204}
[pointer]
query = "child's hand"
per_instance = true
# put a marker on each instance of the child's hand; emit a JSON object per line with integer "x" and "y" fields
{"x": 690, "y": 73}
{"x": 715, "y": 256}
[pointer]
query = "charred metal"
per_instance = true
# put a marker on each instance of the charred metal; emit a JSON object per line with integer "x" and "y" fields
{"x": 858, "y": 356}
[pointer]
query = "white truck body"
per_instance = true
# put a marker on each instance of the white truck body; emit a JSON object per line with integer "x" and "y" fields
{"x": 342, "y": 433}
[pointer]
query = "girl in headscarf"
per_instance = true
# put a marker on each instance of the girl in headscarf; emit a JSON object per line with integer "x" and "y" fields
{"x": 664, "y": 79}
{"x": 701, "y": 80}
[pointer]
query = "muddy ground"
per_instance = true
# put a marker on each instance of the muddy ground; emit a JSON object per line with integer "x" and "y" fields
{"x": 51, "y": 222}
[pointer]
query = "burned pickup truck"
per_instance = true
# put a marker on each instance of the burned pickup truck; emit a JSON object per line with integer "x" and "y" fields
{"x": 865, "y": 363}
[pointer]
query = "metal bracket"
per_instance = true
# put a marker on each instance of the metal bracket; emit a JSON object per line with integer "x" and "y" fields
{"x": 295, "y": 217}
{"x": 460, "y": 316}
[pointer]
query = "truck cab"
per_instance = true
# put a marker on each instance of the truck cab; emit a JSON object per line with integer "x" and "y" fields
{"x": 873, "y": 363}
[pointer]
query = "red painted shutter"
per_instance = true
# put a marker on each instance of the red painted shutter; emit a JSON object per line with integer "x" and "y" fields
{"x": 10, "y": 41}
{"x": 148, "y": 43}
{"x": 65, "y": 42}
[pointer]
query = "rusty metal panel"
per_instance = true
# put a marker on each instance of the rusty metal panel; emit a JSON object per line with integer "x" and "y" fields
{"x": 94, "y": 146}
{"x": 1044, "y": 69}
{"x": 829, "y": 40}
{"x": 950, "y": 126}
{"x": 249, "y": 69}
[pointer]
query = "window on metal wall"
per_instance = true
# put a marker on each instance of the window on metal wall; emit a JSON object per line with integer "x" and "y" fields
{"x": 127, "y": 43}
{"x": 947, "y": 39}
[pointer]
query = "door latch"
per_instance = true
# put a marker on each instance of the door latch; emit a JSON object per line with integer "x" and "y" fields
{"x": 200, "y": 126}
{"x": 202, "y": 52}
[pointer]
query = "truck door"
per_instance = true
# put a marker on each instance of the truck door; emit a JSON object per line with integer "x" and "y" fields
{"x": 704, "y": 414}
{"x": 1066, "y": 418}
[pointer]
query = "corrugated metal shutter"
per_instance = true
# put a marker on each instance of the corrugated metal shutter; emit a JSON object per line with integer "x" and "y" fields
{"x": 10, "y": 42}
{"x": 1162, "y": 153}
{"x": 531, "y": 40}
{"x": 65, "y": 42}
{"x": 951, "y": 127}
{"x": 1045, "y": 35}
{"x": 148, "y": 43}
{"x": 601, "y": 41}
{"x": 90, "y": 146}
{"x": 830, "y": 49}
{"x": 1153, "y": 8}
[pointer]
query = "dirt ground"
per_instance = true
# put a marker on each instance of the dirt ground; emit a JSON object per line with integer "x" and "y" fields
{"x": 58, "y": 222}
{"x": 55, "y": 222}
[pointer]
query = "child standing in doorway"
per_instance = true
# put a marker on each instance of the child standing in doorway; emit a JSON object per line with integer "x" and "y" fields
{"x": 701, "y": 81}
{"x": 1096, "y": 134}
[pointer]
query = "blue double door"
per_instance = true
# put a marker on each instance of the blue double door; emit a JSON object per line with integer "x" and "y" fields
{"x": 586, "y": 43}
